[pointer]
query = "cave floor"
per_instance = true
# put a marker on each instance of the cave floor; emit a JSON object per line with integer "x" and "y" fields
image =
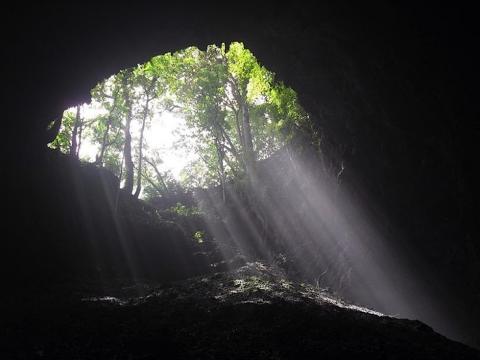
{"x": 253, "y": 312}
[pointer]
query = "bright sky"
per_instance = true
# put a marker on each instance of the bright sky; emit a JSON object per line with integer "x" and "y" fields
{"x": 160, "y": 137}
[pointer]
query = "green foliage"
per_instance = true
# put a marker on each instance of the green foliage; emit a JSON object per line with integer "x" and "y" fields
{"x": 113, "y": 162}
{"x": 155, "y": 186}
{"x": 221, "y": 92}
{"x": 285, "y": 110}
{"x": 210, "y": 88}
{"x": 199, "y": 236}
{"x": 183, "y": 210}
{"x": 244, "y": 68}
{"x": 63, "y": 140}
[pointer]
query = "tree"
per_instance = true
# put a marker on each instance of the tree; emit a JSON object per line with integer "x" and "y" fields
{"x": 241, "y": 66}
{"x": 127, "y": 93}
{"x": 73, "y": 141}
{"x": 199, "y": 89}
{"x": 235, "y": 112}
{"x": 107, "y": 93}
{"x": 146, "y": 80}
{"x": 223, "y": 94}
{"x": 69, "y": 138}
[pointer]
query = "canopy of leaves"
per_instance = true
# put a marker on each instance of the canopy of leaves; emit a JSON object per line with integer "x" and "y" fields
{"x": 217, "y": 91}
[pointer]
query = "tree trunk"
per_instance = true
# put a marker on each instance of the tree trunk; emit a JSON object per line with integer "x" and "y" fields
{"x": 127, "y": 150}
{"x": 140, "y": 152}
{"x": 104, "y": 144}
{"x": 247, "y": 139}
{"x": 103, "y": 147}
{"x": 80, "y": 133}
{"x": 157, "y": 172}
{"x": 73, "y": 143}
{"x": 239, "y": 130}
{"x": 155, "y": 186}
{"x": 221, "y": 167}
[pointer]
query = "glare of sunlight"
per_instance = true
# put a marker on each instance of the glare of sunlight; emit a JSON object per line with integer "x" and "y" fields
{"x": 161, "y": 137}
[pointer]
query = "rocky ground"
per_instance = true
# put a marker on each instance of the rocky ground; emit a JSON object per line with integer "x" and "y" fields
{"x": 253, "y": 312}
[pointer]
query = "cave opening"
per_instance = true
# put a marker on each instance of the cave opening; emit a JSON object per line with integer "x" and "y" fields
{"x": 209, "y": 141}
{"x": 378, "y": 208}
{"x": 192, "y": 119}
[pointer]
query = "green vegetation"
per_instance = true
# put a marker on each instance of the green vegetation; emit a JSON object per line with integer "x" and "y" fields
{"x": 234, "y": 113}
{"x": 199, "y": 236}
{"x": 183, "y": 210}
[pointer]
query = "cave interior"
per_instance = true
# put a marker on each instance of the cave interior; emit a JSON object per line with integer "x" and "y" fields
{"x": 393, "y": 90}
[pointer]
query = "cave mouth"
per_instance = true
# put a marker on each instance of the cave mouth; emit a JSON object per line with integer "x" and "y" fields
{"x": 215, "y": 145}
{"x": 193, "y": 118}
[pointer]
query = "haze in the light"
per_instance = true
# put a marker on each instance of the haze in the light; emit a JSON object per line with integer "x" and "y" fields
{"x": 160, "y": 137}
